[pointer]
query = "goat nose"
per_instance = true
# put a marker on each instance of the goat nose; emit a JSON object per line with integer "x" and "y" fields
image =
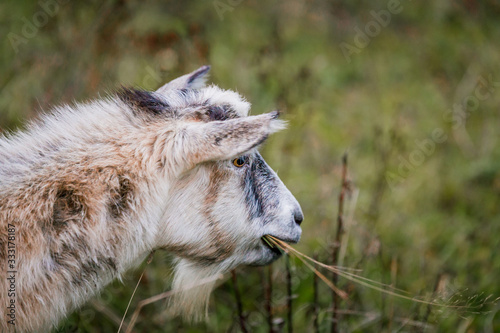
{"x": 298, "y": 216}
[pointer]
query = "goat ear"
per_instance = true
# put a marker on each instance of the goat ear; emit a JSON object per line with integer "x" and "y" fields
{"x": 220, "y": 140}
{"x": 194, "y": 80}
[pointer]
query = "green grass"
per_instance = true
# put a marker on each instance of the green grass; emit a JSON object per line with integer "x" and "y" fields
{"x": 441, "y": 222}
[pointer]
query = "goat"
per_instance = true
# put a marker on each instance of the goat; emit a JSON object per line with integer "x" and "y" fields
{"x": 89, "y": 190}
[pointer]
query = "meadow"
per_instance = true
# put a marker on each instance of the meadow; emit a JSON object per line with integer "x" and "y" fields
{"x": 409, "y": 90}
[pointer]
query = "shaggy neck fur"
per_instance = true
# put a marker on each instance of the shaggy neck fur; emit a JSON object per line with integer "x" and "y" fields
{"x": 82, "y": 217}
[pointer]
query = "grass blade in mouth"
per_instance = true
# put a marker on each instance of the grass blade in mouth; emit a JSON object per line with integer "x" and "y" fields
{"x": 272, "y": 245}
{"x": 268, "y": 241}
{"x": 344, "y": 272}
{"x": 279, "y": 244}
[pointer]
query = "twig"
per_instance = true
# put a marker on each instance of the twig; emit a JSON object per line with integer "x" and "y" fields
{"x": 315, "y": 301}
{"x": 348, "y": 222}
{"x": 239, "y": 304}
{"x": 289, "y": 292}
{"x": 145, "y": 302}
{"x": 269, "y": 291}
{"x": 336, "y": 245}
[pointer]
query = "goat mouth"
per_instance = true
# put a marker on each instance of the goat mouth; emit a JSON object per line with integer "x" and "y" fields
{"x": 274, "y": 248}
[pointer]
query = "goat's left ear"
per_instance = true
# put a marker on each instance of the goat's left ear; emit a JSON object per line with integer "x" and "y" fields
{"x": 222, "y": 140}
{"x": 194, "y": 80}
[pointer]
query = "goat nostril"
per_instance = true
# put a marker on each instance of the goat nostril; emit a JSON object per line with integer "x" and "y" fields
{"x": 298, "y": 216}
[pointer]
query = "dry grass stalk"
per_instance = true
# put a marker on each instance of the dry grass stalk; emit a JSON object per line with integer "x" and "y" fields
{"x": 161, "y": 296}
{"x": 338, "y": 241}
{"x": 150, "y": 258}
{"x": 344, "y": 272}
{"x": 269, "y": 292}
{"x": 289, "y": 293}
{"x": 143, "y": 303}
{"x": 239, "y": 303}
{"x": 315, "y": 302}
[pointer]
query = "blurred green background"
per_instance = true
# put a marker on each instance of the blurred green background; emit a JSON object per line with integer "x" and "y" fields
{"x": 409, "y": 89}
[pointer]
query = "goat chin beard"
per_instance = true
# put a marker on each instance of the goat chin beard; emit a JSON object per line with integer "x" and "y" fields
{"x": 192, "y": 285}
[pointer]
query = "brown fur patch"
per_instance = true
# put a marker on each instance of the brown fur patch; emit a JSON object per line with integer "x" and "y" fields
{"x": 217, "y": 179}
{"x": 221, "y": 246}
{"x": 68, "y": 207}
{"x": 120, "y": 198}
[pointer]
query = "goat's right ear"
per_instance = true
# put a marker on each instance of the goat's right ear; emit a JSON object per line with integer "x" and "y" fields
{"x": 193, "y": 80}
{"x": 222, "y": 140}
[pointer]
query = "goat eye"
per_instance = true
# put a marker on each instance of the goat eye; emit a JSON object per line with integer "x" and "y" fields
{"x": 239, "y": 162}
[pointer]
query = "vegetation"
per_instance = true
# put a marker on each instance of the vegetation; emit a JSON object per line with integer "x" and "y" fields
{"x": 411, "y": 94}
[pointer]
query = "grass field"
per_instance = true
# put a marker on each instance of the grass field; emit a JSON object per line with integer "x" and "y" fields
{"x": 410, "y": 90}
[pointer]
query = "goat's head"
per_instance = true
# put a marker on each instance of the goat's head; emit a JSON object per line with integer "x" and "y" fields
{"x": 223, "y": 197}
